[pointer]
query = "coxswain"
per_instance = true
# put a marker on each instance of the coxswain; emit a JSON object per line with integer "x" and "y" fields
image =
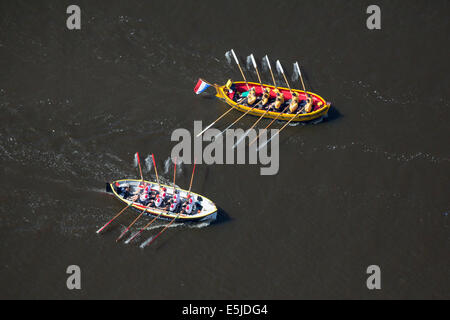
{"x": 293, "y": 105}
{"x": 123, "y": 190}
{"x": 198, "y": 204}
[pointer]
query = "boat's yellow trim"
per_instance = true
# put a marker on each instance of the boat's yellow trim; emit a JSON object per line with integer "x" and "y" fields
{"x": 285, "y": 117}
{"x": 157, "y": 211}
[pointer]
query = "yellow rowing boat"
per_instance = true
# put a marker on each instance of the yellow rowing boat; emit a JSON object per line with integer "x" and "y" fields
{"x": 232, "y": 90}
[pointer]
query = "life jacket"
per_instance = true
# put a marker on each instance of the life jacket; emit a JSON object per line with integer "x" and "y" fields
{"x": 140, "y": 187}
{"x": 148, "y": 189}
{"x": 294, "y": 104}
{"x": 251, "y": 98}
{"x": 176, "y": 198}
{"x": 189, "y": 208}
{"x": 309, "y": 105}
{"x": 143, "y": 197}
{"x": 172, "y": 207}
{"x": 279, "y": 100}
{"x": 159, "y": 199}
{"x": 266, "y": 96}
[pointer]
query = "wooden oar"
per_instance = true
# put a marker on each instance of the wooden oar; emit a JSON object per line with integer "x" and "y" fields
{"x": 174, "y": 174}
{"x": 156, "y": 171}
{"x": 280, "y": 68}
{"x": 256, "y": 69}
{"x": 146, "y": 226}
{"x": 270, "y": 68}
{"x": 198, "y": 135}
{"x": 237, "y": 120}
{"x": 139, "y": 163}
{"x": 192, "y": 178}
{"x": 116, "y": 216}
{"x": 131, "y": 224}
{"x": 280, "y": 129}
{"x": 301, "y": 78}
{"x": 173, "y": 220}
{"x": 282, "y": 112}
{"x": 239, "y": 66}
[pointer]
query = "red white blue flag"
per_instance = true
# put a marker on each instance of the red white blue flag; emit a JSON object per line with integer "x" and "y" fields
{"x": 201, "y": 86}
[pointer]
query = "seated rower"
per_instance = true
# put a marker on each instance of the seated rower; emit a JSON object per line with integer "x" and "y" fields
{"x": 279, "y": 100}
{"x": 144, "y": 199}
{"x": 173, "y": 202}
{"x": 309, "y": 105}
{"x": 251, "y": 98}
{"x": 293, "y": 105}
{"x": 188, "y": 206}
{"x": 265, "y": 98}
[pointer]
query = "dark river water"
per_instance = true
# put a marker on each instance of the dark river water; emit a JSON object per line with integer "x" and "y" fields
{"x": 368, "y": 186}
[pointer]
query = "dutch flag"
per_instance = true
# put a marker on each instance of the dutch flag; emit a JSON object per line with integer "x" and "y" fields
{"x": 201, "y": 86}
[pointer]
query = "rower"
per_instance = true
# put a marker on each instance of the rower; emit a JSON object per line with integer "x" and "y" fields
{"x": 251, "y": 98}
{"x": 279, "y": 100}
{"x": 293, "y": 105}
{"x": 188, "y": 206}
{"x": 309, "y": 105}
{"x": 265, "y": 98}
{"x": 160, "y": 198}
{"x": 144, "y": 199}
{"x": 172, "y": 204}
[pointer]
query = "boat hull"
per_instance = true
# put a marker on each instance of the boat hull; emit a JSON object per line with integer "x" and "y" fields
{"x": 304, "y": 117}
{"x": 209, "y": 213}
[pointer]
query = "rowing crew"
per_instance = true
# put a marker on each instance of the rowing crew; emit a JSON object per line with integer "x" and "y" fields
{"x": 150, "y": 197}
{"x": 265, "y": 102}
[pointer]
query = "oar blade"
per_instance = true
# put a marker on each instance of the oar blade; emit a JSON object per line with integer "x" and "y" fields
{"x": 268, "y": 62}
{"x": 253, "y": 61}
{"x": 234, "y": 56}
{"x": 279, "y": 67}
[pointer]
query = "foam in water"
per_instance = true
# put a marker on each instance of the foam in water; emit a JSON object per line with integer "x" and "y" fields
{"x": 148, "y": 163}
{"x": 249, "y": 63}
{"x": 167, "y": 165}
{"x": 146, "y": 242}
{"x": 264, "y": 65}
{"x": 228, "y": 56}
{"x": 295, "y": 74}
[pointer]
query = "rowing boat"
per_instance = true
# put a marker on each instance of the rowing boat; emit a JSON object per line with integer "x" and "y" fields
{"x": 230, "y": 94}
{"x": 205, "y": 209}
